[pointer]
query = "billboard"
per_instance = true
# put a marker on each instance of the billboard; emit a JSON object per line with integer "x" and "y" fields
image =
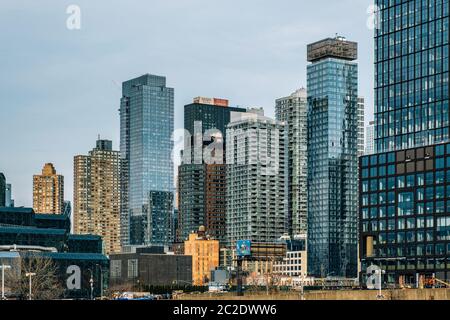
{"x": 243, "y": 248}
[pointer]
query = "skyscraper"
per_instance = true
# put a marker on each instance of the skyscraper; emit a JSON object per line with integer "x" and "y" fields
{"x": 202, "y": 184}
{"x": 333, "y": 128}
{"x": 97, "y": 195}
{"x": 146, "y": 128}
{"x": 2, "y": 190}
{"x": 411, "y": 67}
{"x": 370, "y": 138}
{"x": 404, "y": 215}
{"x": 256, "y": 178}
{"x": 293, "y": 111}
{"x": 48, "y": 191}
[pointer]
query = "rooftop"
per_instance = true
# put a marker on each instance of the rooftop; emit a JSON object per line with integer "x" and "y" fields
{"x": 337, "y": 47}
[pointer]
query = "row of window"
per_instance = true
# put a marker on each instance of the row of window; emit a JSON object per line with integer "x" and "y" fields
{"x": 442, "y": 227}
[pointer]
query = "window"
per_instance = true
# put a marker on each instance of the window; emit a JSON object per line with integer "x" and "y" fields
{"x": 401, "y": 182}
{"x": 440, "y": 163}
{"x": 365, "y": 186}
{"x": 116, "y": 269}
{"x": 405, "y": 204}
{"x": 132, "y": 268}
{"x": 440, "y": 177}
{"x": 430, "y": 222}
{"x": 410, "y": 181}
{"x": 420, "y": 180}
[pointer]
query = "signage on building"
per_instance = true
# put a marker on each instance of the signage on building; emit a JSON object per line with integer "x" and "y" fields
{"x": 212, "y": 101}
{"x": 243, "y": 248}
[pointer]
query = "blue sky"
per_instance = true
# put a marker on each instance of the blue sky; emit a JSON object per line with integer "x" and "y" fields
{"x": 61, "y": 88}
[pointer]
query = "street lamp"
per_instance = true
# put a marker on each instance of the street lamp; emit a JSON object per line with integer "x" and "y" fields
{"x": 3, "y": 267}
{"x": 29, "y": 275}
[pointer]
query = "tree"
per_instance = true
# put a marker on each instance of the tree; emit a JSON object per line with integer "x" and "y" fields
{"x": 45, "y": 284}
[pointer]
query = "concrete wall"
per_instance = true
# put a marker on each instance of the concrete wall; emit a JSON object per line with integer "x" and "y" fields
{"x": 406, "y": 294}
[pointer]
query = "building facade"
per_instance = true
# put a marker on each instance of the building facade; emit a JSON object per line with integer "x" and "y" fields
{"x": 146, "y": 128}
{"x": 333, "y": 129}
{"x": 293, "y": 111}
{"x": 2, "y": 190}
{"x": 143, "y": 269}
{"x": 202, "y": 184}
{"x": 295, "y": 263}
{"x": 205, "y": 256}
{"x": 405, "y": 222}
{"x": 256, "y": 178}
{"x": 48, "y": 191}
{"x": 411, "y": 74}
{"x": 361, "y": 126}
{"x": 370, "y": 139}
{"x": 404, "y": 212}
{"x": 97, "y": 195}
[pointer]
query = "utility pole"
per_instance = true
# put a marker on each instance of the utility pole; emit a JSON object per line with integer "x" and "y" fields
{"x": 240, "y": 293}
{"x": 29, "y": 275}
{"x": 3, "y": 267}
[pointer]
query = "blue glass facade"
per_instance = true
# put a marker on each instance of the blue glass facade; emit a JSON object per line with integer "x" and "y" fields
{"x": 411, "y": 74}
{"x": 405, "y": 214}
{"x": 332, "y": 163}
{"x": 147, "y": 124}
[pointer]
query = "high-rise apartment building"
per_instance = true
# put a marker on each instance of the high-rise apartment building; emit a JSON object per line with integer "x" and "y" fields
{"x": 2, "y": 190}
{"x": 404, "y": 190}
{"x": 256, "y": 178}
{"x": 293, "y": 111}
{"x": 48, "y": 191}
{"x": 370, "y": 139}
{"x": 333, "y": 129}
{"x": 97, "y": 195}
{"x": 202, "y": 184}
{"x": 146, "y": 128}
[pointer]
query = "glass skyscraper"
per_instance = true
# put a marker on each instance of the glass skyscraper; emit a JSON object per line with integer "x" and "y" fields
{"x": 147, "y": 124}
{"x": 411, "y": 74}
{"x": 333, "y": 129}
{"x": 404, "y": 191}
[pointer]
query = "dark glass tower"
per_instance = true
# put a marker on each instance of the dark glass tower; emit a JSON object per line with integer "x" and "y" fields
{"x": 404, "y": 189}
{"x": 2, "y": 190}
{"x": 333, "y": 128}
{"x": 147, "y": 124}
{"x": 411, "y": 74}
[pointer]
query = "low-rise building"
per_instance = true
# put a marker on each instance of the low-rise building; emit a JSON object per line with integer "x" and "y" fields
{"x": 79, "y": 263}
{"x": 147, "y": 267}
{"x": 205, "y": 256}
